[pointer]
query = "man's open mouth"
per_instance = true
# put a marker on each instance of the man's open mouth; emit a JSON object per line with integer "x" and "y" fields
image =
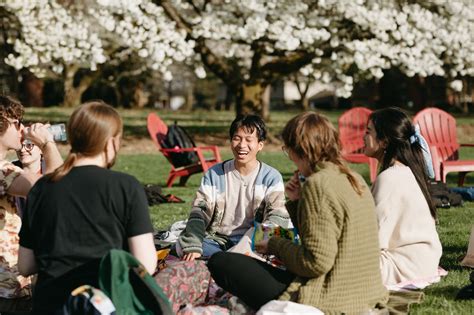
{"x": 242, "y": 153}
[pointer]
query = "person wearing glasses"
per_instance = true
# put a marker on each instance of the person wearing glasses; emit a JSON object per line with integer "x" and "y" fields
{"x": 15, "y": 292}
{"x": 336, "y": 266}
{"x": 30, "y": 159}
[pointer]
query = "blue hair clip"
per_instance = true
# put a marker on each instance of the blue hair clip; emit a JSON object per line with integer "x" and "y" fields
{"x": 417, "y": 137}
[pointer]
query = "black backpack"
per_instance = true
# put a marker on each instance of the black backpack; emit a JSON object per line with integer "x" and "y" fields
{"x": 178, "y": 137}
{"x": 154, "y": 196}
{"x": 442, "y": 197}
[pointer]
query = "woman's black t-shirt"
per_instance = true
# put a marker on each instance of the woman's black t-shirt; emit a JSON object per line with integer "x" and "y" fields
{"x": 70, "y": 224}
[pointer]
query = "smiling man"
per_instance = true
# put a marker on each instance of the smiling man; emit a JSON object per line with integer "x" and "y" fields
{"x": 233, "y": 194}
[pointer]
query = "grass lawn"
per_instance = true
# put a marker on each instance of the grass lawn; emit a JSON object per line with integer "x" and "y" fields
{"x": 202, "y": 124}
{"x": 454, "y": 224}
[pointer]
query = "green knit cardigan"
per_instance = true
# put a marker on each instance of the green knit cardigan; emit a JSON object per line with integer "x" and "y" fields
{"x": 337, "y": 266}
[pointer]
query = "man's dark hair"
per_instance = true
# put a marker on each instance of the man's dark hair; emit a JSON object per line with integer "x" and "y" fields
{"x": 249, "y": 123}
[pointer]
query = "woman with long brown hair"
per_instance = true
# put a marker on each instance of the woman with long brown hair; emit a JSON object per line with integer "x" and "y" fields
{"x": 82, "y": 210}
{"x": 410, "y": 248}
{"x": 335, "y": 268}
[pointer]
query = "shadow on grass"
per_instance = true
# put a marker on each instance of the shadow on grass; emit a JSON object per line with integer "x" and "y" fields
{"x": 452, "y": 255}
{"x": 136, "y": 131}
{"x": 447, "y": 292}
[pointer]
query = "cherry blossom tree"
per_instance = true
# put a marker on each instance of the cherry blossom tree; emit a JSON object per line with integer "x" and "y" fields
{"x": 59, "y": 38}
{"x": 249, "y": 44}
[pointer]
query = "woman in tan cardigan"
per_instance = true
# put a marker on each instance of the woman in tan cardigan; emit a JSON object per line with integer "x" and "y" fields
{"x": 336, "y": 267}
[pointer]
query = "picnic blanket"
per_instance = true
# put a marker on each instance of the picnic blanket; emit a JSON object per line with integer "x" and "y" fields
{"x": 190, "y": 288}
{"x": 418, "y": 284}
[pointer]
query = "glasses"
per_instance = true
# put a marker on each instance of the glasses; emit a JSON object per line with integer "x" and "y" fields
{"x": 285, "y": 150}
{"x": 28, "y": 146}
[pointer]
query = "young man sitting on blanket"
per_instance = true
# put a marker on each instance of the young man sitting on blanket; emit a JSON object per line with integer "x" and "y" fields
{"x": 233, "y": 194}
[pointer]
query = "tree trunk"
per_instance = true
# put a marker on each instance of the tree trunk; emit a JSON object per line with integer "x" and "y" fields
{"x": 304, "y": 103}
{"x": 140, "y": 96}
{"x": 228, "y": 98}
{"x": 302, "y": 87}
{"x": 464, "y": 95}
{"x": 117, "y": 93}
{"x": 72, "y": 93}
{"x": 250, "y": 100}
{"x": 188, "y": 104}
{"x": 417, "y": 91}
{"x": 32, "y": 90}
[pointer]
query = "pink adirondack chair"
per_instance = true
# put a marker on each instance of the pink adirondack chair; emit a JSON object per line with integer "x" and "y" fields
{"x": 158, "y": 130}
{"x": 352, "y": 127}
{"x": 439, "y": 130}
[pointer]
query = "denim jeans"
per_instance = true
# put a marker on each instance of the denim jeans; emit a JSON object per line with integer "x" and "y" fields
{"x": 210, "y": 247}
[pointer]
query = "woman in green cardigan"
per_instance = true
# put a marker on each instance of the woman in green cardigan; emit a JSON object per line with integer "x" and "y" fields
{"x": 336, "y": 266}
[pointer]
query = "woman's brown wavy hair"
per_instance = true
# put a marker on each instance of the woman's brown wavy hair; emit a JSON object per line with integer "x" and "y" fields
{"x": 88, "y": 129}
{"x": 312, "y": 136}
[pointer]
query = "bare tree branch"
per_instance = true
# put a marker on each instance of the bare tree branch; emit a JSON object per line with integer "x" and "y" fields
{"x": 286, "y": 65}
{"x": 195, "y": 8}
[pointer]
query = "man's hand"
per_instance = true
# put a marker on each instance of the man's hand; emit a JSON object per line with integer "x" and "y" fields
{"x": 38, "y": 134}
{"x": 190, "y": 256}
{"x": 293, "y": 187}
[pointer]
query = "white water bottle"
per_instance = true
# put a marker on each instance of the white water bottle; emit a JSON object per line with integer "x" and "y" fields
{"x": 59, "y": 132}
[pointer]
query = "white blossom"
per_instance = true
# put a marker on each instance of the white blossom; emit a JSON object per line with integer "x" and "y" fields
{"x": 200, "y": 72}
{"x": 346, "y": 39}
{"x": 456, "y": 85}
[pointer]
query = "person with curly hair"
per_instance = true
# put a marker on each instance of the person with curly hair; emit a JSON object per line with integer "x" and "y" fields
{"x": 15, "y": 291}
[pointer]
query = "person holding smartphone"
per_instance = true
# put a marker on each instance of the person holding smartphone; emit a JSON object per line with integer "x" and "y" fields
{"x": 15, "y": 291}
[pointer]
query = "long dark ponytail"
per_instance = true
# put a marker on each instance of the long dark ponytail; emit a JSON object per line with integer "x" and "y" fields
{"x": 395, "y": 128}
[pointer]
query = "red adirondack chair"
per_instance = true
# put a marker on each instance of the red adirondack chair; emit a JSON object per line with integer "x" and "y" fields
{"x": 439, "y": 130}
{"x": 158, "y": 130}
{"x": 352, "y": 127}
